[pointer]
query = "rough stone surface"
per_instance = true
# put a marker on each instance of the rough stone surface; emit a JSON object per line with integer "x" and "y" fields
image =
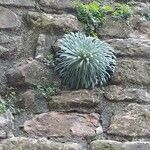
{"x": 114, "y": 145}
{"x": 140, "y": 24}
{"x": 76, "y": 100}
{"x": 118, "y": 93}
{"x": 131, "y": 47}
{"x": 61, "y": 124}
{"x": 22, "y": 143}
{"x": 4, "y": 52}
{"x": 56, "y": 24}
{"x": 60, "y": 4}
{"x": 132, "y": 72}
{"x": 105, "y": 145}
{"x": 6, "y": 124}
{"x": 114, "y": 28}
{"x": 29, "y": 72}
{"x": 26, "y": 3}
{"x": 134, "y": 121}
{"x": 27, "y": 99}
{"x": 8, "y": 19}
{"x": 136, "y": 145}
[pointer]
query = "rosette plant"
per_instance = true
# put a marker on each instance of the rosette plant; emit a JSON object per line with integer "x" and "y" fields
{"x": 84, "y": 62}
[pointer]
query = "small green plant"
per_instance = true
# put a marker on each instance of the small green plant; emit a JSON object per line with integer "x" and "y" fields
{"x": 2, "y": 107}
{"x": 122, "y": 10}
{"x": 11, "y": 101}
{"x": 91, "y": 15}
{"x": 46, "y": 90}
{"x": 147, "y": 16}
{"x": 84, "y": 62}
{"x": 48, "y": 60}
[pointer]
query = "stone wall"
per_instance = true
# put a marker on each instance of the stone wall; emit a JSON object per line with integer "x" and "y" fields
{"x": 113, "y": 118}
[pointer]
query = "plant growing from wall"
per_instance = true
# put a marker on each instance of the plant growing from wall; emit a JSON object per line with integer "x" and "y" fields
{"x": 2, "y": 106}
{"x": 91, "y": 15}
{"x": 11, "y": 100}
{"x": 147, "y": 16}
{"x": 46, "y": 90}
{"x": 84, "y": 62}
{"x": 122, "y": 11}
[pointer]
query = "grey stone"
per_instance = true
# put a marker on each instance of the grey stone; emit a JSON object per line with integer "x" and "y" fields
{"x": 8, "y": 19}
{"x": 25, "y": 3}
{"x": 27, "y": 99}
{"x": 131, "y": 47}
{"x": 3, "y": 134}
{"x": 118, "y": 93}
{"x": 66, "y": 5}
{"x": 23, "y": 143}
{"x": 29, "y": 72}
{"x": 115, "y": 145}
{"x": 131, "y": 71}
{"x": 54, "y": 24}
{"x": 136, "y": 145}
{"x": 133, "y": 121}
{"x": 4, "y": 52}
{"x": 63, "y": 125}
{"x": 7, "y": 123}
{"x": 114, "y": 28}
{"x": 140, "y": 24}
{"x": 105, "y": 145}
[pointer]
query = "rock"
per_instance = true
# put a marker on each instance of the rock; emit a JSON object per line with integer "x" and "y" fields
{"x": 22, "y": 143}
{"x": 118, "y": 93}
{"x": 29, "y": 72}
{"x": 3, "y": 134}
{"x": 133, "y": 121}
{"x": 27, "y": 99}
{"x": 41, "y": 47}
{"x": 8, "y": 19}
{"x": 132, "y": 72}
{"x": 105, "y": 145}
{"x": 140, "y": 24}
{"x": 136, "y": 145}
{"x": 131, "y": 47}
{"x": 4, "y": 52}
{"x": 140, "y": 8}
{"x": 6, "y": 124}
{"x": 81, "y": 100}
{"x": 25, "y": 3}
{"x": 55, "y": 24}
{"x": 68, "y": 125}
{"x": 65, "y": 5}
{"x": 114, "y": 28}
{"x": 114, "y": 145}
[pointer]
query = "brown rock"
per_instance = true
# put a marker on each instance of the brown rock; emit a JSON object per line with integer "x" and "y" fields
{"x": 29, "y": 72}
{"x": 27, "y": 99}
{"x": 131, "y": 47}
{"x": 61, "y": 124}
{"x": 80, "y": 100}
{"x": 132, "y": 72}
{"x": 117, "y": 93}
{"x": 133, "y": 121}
{"x": 55, "y": 24}
{"x": 114, "y": 28}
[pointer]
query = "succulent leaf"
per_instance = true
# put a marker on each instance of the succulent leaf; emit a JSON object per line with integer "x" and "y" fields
{"x": 84, "y": 62}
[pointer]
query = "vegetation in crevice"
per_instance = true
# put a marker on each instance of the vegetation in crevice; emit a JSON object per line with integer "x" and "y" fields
{"x": 93, "y": 14}
{"x": 84, "y": 61}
